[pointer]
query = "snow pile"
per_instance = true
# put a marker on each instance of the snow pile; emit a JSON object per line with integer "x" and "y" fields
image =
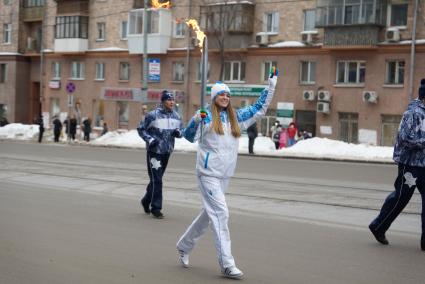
{"x": 19, "y": 131}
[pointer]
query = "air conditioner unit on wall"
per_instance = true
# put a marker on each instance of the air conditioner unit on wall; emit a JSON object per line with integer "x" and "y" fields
{"x": 392, "y": 35}
{"x": 309, "y": 95}
{"x": 262, "y": 39}
{"x": 323, "y": 95}
{"x": 323, "y": 107}
{"x": 370, "y": 97}
{"x": 306, "y": 37}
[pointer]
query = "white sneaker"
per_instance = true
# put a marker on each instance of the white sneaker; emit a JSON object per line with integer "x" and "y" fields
{"x": 184, "y": 258}
{"x": 232, "y": 272}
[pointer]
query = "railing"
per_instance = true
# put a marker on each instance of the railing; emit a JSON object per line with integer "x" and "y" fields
{"x": 32, "y": 14}
{"x": 72, "y": 7}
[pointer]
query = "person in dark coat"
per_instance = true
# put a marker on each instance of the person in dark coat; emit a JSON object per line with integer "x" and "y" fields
{"x": 87, "y": 129}
{"x": 40, "y": 123}
{"x": 104, "y": 129}
{"x": 409, "y": 154}
{"x": 252, "y": 134}
{"x": 57, "y": 128}
{"x": 72, "y": 127}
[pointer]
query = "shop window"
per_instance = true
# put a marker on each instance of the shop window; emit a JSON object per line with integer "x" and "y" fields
{"x": 54, "y": 107}
{"x": 123, "y": 114}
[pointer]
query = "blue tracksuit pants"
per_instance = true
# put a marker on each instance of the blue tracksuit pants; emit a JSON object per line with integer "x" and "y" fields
{"x": 407, "y": 180}
{"x": 156, "y": 164}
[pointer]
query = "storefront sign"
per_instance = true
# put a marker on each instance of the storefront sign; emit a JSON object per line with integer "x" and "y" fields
{"x": 135, "y": 94}
{"x": 154, "y": 69}
{"x": 242, "y": 90}
{"x": 54, "y": 84}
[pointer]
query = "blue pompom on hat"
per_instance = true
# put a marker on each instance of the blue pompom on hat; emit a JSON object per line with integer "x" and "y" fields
{"x": 166, "y": 95}
{"x": 422, "y": 90}
{"x": 219, "y": 88}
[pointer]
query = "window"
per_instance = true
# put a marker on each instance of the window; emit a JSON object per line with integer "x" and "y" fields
{"x": 271, "y": 22}
{"x": 390, "y": 124}
{"x": 33, "y": 3}
{"x": 178, "y": 71}
{"x": 395, "y": 72}
{"x": 307, "y": 72}
{"x": 198, "y": 78}
{"x": 123, "y": 114}
{"x": 348, "y": 127}
{"x": 350, "y": 12}
{"x": 124, "y": 26}
{"x": 136, "y": 22}
{"x": 71, "y": 27}
{"x": 100, "y": 71}
{"x": 55, "y": 108}
{"x": 351, "y": 72}
{"x": 101, "y": 31}
{"x": 3, "y": 72}
{"x": 179, "y": 30}
{"x": 77, "y": 70}
{"x": 56, "y": 70}
{"x": 124, "y": 71}
{"x": 234, "y": 71}
{"x": 266, "y": 67}
{"x": 398, "y": 15}
{"x": 7, "y": 33}
{"x": 309, "y": 20}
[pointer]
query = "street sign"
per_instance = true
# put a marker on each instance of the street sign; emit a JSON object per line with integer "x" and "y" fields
{"x": 70, "y": 87}
{"x": 70, "y": 100}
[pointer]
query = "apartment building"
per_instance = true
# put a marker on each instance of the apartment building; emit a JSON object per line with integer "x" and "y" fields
{"x": 345, "y": 65}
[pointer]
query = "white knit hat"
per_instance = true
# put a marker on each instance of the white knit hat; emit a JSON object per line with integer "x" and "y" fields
{"x": 218, "y": 88}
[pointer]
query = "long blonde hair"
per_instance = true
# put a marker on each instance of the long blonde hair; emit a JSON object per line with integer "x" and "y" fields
{"x": 217, "y": 125}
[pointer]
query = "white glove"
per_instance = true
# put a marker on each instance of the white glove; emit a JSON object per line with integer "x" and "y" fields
{"x": 272, "y": 83}
{"x": 198, "y": 116}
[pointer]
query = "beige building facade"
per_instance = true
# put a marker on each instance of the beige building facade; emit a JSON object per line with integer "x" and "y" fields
{"x": 345, "y": 68}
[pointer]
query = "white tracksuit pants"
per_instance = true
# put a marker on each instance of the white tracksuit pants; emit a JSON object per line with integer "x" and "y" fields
{"x": 215, "y": 212}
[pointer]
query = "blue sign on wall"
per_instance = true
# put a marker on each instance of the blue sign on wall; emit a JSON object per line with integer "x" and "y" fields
{"x": 154, "y": 70}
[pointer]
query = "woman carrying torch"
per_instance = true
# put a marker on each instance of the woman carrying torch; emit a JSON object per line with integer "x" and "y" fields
{"x": 216, "y": 161}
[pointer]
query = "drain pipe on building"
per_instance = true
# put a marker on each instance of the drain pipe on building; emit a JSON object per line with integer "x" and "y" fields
{"x": 412, "y": 51}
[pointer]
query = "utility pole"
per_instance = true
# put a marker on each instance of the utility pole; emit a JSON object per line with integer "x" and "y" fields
{"x": 145, "y": 50}
{"x": 412, "y": 51}
{"x": 43, "y": 21}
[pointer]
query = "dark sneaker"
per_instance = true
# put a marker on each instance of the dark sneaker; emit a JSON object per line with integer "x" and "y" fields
{"x": 232, "y": 272}
{"x": 157, "y": 214}
{"x": 379, "y": 236}
{"x": 145, "y": 206}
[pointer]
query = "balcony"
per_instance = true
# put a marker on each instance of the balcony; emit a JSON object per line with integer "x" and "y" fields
{"x": 159, "y": 31}
{"x": 232, "y": 17}
{"x": 72, "y": 7}
{"x": 32, "y": 14}
{"x": 71, "y": 34}
{"x": 351, "y": 23}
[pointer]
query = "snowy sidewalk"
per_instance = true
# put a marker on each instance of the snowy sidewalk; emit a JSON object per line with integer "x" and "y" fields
{"x": 314, "y": 148}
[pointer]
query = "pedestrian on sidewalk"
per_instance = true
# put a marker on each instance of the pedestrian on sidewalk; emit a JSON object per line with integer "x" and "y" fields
{"x": 57, "y": 128}
{"x": 217, "y": 153}
{"x": 159, "y": 129}
{"x": 87, "y": 129}
{"x": 40, "y": 128}
{"x": 409, "y": 153}
{"x": 252, "y": 134}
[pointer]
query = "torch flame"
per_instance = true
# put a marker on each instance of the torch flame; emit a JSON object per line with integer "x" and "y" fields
{"x": 200, "y": 35}
{"x": 156, "y": 4}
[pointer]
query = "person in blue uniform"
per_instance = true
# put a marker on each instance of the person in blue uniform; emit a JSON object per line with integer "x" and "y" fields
{"x": 409, "y": 153}
{"x": 158, "y": 129}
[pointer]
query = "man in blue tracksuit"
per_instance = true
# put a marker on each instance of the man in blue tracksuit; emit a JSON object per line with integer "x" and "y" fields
{"x": 409, "y": 153}
{"x": 158, "y": 129}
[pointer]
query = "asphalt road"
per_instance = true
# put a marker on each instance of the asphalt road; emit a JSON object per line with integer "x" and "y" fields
{"x": 71, "y": 215}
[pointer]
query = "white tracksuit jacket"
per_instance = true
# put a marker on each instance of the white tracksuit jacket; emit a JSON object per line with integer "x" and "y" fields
{"x": 216, "y": 162}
